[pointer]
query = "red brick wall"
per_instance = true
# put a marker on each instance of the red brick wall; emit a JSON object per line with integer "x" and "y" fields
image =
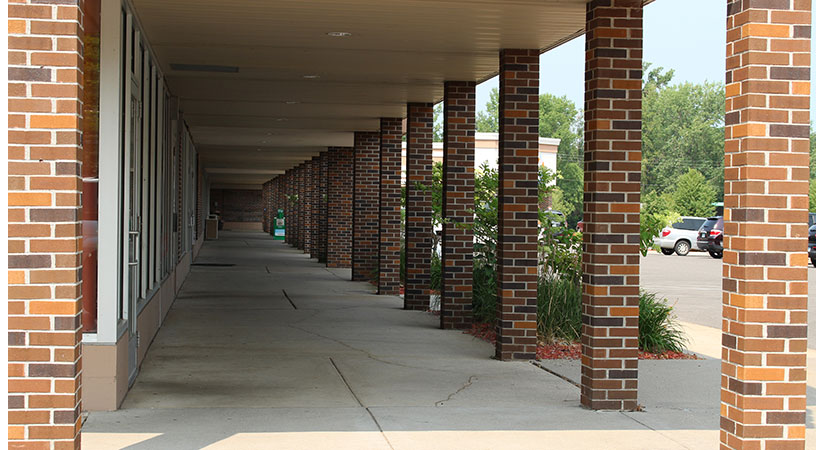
{"x": 305, "y": 208}
{"x": 265, "y": 198}
{"x": 419, "y": 224}
{"x": 517, "y": 250}
{"x": 612, "y": 174}
{"x": 323, "y": 180}
{"x": 365, "y": 201}
{"x": 339, "y": 227}
{"x": 458, "y": 202}
{"x": 313, "y": 200}
{"x": 389, "y": 229}
{"x": 44, "y": 186}
{"x": 238, "y": 205}
{"x": 764, "y": 270}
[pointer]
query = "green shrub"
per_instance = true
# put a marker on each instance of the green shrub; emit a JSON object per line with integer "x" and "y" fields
{"x": 658, "y": 331}
{"x": 485, "y": 292}
{"x": 559, "y": 302}
{"x": 435, "y": 273}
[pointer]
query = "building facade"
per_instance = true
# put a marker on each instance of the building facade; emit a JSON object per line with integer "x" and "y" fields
{"x": 124, "y": 114}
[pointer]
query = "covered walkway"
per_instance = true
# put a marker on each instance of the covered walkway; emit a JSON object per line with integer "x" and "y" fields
{"x": 265, "y": 348}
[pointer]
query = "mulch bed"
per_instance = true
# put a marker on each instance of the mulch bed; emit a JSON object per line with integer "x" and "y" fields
{"x": 564, "y": 350}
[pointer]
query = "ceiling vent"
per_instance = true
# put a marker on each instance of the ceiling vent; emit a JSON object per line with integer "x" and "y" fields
{"x": 204, "y": 68}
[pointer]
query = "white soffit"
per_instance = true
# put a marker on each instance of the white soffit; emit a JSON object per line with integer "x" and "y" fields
{"x": 399, "y": 51}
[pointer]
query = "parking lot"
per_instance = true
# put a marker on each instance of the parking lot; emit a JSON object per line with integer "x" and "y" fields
{"x": 693, "y": 285}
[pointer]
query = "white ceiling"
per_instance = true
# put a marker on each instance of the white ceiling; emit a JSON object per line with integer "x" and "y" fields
{"x": 268, "y": 117}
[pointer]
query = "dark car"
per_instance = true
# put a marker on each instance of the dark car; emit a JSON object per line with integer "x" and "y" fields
{"x": 812, "y": 244}
{"x": 710, "y": 236}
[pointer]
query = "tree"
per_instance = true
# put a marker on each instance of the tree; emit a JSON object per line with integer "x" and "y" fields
{"x": 693, "y": 195}
{"x": 682, "y": 128}
{"x": 487, "y": 120}
{"x": 438, "y": 123}
{"x": 812, "y": 181}
{"x": 658, "y": 211}
{"x": 559, "y": 118}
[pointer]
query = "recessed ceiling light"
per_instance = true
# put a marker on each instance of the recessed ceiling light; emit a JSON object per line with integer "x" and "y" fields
{"x": 291, "y": 102}
{"x": 312, "y": 76}
{"x": 279, "y": 119}
{"x": 339, "y": 34}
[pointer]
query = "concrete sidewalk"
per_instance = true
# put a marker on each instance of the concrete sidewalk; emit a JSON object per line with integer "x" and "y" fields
{"x": 279, "y": 352}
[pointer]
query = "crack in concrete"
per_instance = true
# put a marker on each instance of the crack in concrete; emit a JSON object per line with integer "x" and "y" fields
{"x": 368, "y": 354}
{"x": 653, "y": 429}
{"x": 467, "y": 384}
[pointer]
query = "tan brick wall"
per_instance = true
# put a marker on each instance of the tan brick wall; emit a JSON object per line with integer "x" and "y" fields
{"x": 45, "y": 104}
{"x": 764, "y": 271}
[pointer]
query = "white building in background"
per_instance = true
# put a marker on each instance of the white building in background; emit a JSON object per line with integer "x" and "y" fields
{"x": 487, "y": 152}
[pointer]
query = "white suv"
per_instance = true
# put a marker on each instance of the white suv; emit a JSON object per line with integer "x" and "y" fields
{"x": 680, "y": 237}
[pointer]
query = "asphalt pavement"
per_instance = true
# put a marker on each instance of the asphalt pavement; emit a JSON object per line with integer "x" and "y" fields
{"x": 693, "y": 285}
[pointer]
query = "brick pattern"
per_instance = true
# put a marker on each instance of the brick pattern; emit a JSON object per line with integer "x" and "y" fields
{"x": 517, "y": 251}
{"x": 612, "y": 174}
{"x": 313, "y": 200}
{"x": 45, "y": 100}
{"x": 323, "y": 180}
{"x": 419, "y": 224}
{"x": 265, "y": 198}
{"x": 292, "y": 208}
{"x": 288, "y": 231}
{"x": 339, "y": 216}
{"x": 389, "y": 218}
{"x": 305, "y": 208}
{"x": 458, "y": 198}
{"x": 239, "y": 205}
{"x": 764, "y": 270}
{"x": 199, "y": 217}
{"x": 365, "y": 201}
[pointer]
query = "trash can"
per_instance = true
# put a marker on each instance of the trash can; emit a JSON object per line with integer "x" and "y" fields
{"x": 278, "y": 226}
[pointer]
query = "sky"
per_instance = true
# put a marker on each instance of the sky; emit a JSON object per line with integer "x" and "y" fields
{"x": 693, "y": 45}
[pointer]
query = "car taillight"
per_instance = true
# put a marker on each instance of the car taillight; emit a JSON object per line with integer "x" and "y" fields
{"x": 714, "y": 233}
{"x": 665, "y": 232}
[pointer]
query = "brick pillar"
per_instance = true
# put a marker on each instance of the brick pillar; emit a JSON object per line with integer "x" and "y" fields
{"x": 339, "y": 225}
{"x": 389, "y": 228}
{"x": 313, "y": 192}
{"x": 365, "y": 201}
{"x": 764, "y": 268}
{"x": 288, "y": 183}
{"x": 419, "y": 226}
{"x": 458, "y": 202}
{"x": 266, "y": 195}
{"x": 305, "y": 208}
{"x": 323, "y": 180}
{"x": 44, "y": 188}
{"x": 518, "y": 162}
{"x": 612, "y": 174}
{"x": 279, "y": 197}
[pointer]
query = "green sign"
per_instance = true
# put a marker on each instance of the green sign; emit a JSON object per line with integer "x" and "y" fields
{"x": 278, "y": 222}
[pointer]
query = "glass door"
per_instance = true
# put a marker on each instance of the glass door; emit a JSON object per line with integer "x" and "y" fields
{"x": 133, "y": 241}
